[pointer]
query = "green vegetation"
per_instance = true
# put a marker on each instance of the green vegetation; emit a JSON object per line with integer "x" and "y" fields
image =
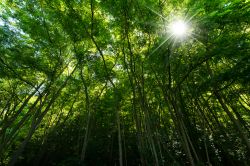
{"x": 105, "y": 82}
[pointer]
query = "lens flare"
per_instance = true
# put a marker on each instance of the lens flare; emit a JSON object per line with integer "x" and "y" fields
{"x": 178, "y": 28}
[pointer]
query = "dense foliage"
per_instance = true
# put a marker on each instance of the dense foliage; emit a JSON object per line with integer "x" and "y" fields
{"x": 102, "y": 82}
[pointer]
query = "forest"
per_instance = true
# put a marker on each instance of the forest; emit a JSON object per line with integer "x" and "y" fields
{"x": 124, "y": 82}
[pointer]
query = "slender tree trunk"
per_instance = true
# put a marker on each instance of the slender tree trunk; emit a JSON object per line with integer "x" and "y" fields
{"x": 119, "y": 137}
{"x": 87, "y": 103}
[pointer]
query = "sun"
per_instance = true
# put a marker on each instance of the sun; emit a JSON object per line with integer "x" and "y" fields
{"x": 178, "y": 28}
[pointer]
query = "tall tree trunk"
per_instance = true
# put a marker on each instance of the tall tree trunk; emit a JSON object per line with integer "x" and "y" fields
{"x": 88, "y": 109}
